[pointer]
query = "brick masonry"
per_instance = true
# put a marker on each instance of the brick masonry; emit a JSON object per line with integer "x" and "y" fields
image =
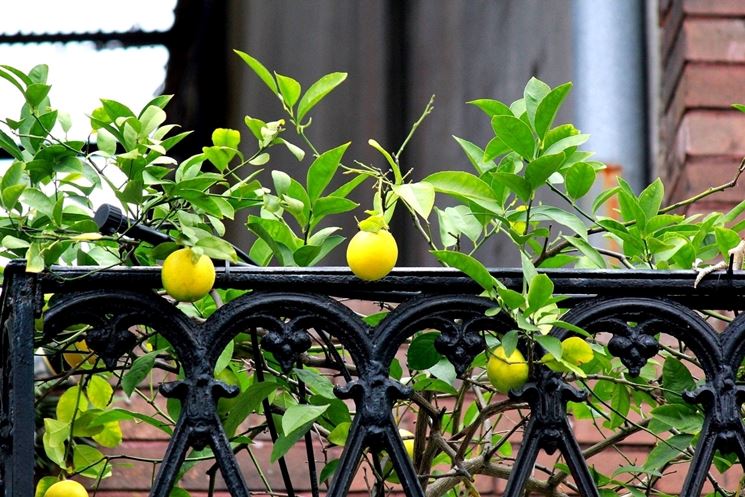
{"x": 702, "y": 48}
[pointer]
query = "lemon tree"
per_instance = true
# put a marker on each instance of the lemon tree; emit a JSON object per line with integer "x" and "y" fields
{"x": 290, "y": 212}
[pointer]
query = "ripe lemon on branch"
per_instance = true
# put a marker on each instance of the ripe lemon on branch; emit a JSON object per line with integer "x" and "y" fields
{"x": 187, "y": 276}
{"x": 506, "y": 372}
{"x": 372, "y": 252}
{"x": 66, "y": 488}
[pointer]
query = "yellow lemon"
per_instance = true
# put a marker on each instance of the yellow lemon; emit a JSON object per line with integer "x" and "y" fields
{"x": 520, "y": 226}
{"x": 576, "y": 351}
{"x": 75, "y": 354}
{"x": 66, "y": 488}
{"x": 505, "y": 372}
{"x": 370, "y": 255}
{"x": 408, "y": 439}
{"x": 187, "y": 278}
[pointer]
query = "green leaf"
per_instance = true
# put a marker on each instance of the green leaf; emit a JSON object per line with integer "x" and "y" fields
{"x": 420, "y": 197}
{"x": 10, "y": 146}
{"x": 603, "y": 198}
{"x": 533, "y": 94}
{"x": 511, "y": 298}
{"x": 299, "y": 415}
{"x": 316, "y": 382}
{"x": 538, "y": 171}
{"x": 260, "y": 70}
{"x": 517, "y": 184}
{"x": 470, "y": 266}
{"x": 475, "y": 155}
{"x": 317, "y": 91}
{"x": 326, "y": 206}
{"x": 587, "y": 250}
{"x": 464, "y": 186}
{"x": 491, "y": 107}
{"x": 550, "y": 344}
{"x": 56, "y": 433}
{"x": 298, "y": 152}
{"x": 90, "y": 462}
{"x": 99, "y": 391}
{"x": 540, "y": 290}
{"x": 322, "y": 171}
{"x": 726, "y": 240}
{"x": 565, "y": 143}
{"x": 217, "y": 248}
{"x": 397, "y": 178}
{"x": 34, "y": 258}
{"x": 494, "y": 148}
{"x": 548, "y": 213}
{"x": 339, "y": 434}
{"x": 650, "y": 199}
{"x": 152, "y": 117}
{"x": 226, "y": 137}
{"x": 676, "y": 379}
{"x": 288, "y": 88}
{"x": 72, "y": 403}
{"x": 682, "y": 417}
{"x": 328, "y": 470}
{"x": 515, "y": 134}
{"x": 113, "y": 415}
{"x": 247, "y": 402}
{"x": 43, "y": 485}
{"x": 666, "y": 451}
{"x": 578, "y": 179}
{"x": 285, "y": 442}
{"x": 548, "y": 107}
{"x": 422, "y": 353}
{"x": 139, "y": 370}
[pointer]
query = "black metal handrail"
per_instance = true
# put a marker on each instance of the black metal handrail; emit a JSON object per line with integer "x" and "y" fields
{"x": 287, "y": 302}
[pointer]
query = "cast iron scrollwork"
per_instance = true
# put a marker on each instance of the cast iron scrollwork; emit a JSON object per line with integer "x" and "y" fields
{"x": 288, "y": 323}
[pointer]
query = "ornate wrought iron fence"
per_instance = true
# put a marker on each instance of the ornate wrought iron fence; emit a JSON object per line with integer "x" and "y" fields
{"x": 287, "y": 303}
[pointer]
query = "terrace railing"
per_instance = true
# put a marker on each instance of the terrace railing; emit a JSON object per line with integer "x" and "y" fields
{"x": 292, "y": 307}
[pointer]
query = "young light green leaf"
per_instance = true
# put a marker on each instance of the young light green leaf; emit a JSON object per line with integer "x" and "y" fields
{"x": 534, "y": 93}
{"x": 470, "y": 266}
{"x": 420, "y": 197}
{"x": 317, "y": 91}
{"x": 260, "y": 71}
{"x": 548, "y": 107}
{"x": 650, "y": 199}
{"x": 491, "y": 107}
{"x": 397, "y": 178}
{"x": 475, "y": 155}
{"x": 139, "y": 370}
{"x": 464, "y": 186}
{"x": 539, "y": 170}
{"x": 587, "y": 250}
{"x": 578, "y": 179}
{"x": 322, "y": 171}
{"x": 565, "y": 143}
{"x": 540, "y": 289}
{"x": 288, "y": 88}
{"x": 299, "y": 415}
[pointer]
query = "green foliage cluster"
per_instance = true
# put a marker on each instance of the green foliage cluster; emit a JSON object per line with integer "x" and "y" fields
{"x": 45, "y": 195}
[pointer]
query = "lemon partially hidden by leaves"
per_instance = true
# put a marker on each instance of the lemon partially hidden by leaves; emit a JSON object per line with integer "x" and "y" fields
{"x": 187, "y": 277}
{"x": 574, "y": 351}
{"x": 372, "y": 255}
{"x": 506, "y": 372}
{"x": 76, "y": 353}
{"x": 66, "y": 488}
{"x": 408, "y": 439}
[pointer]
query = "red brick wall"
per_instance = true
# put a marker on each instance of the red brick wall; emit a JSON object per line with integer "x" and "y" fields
{"x": 702, "y": 47}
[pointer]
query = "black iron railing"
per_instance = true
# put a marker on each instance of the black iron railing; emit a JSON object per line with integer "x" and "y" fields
{"x": 287, "y": 303}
